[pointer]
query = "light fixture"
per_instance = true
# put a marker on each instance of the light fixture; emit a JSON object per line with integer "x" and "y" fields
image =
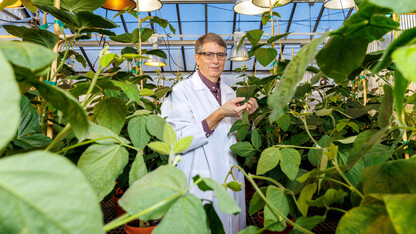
{"x": 118, "y": 5}
{"x": 241, "y": 54}
{"x": 154, "y": 61}
{"x": 339, "y": 4}
{"x": 246, "y": 7}
{"x": 18, "y": 3}
{"x": 148, "y": 5}
{"x": 266, "y": 3}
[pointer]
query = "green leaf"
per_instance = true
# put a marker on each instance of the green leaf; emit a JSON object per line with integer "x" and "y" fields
{"x": 363, "y": 143}
{"x": 404, "y": 6}
{"x": 257, "y": 203}
{"x": 97, "y": 131}
{"x": 106, "y": 59}
{"x": 245, "y": 117}
{"x": 146, "y": 92}
{"x": 111, "y": 113}
{"x": 390, "y": 177}
{"x": 159, "y": 147}
{"x": 277, "y": 37}
{"x": 365, "y": 219}
{"x": 269, "y": 159}
{"x": 137, "y": 132}
{"x": 315, "y": 155}
{"x": 29, "y": 120}
{"x": 278, "y": 199}
{"x": 138, "y": 169}
{"x": 341, "y": 125}
{"x": 289, "y": 162}
{"x": 124, "y": 38}
{"x": 9, "y": 104}
{"x": 237, "y": 125}
{"x": 404, "y": 38}
{"x": 130, "y": 90}
{"x": 306, "y": 194}
{"x": 146, "y": 34}
{"x": 214, "y": 221}
{"x": 265, "y": 55}
{"x": 403, "y": 58}
{"x": 244, "y": 149}
{"x": 247, "y": 92}
{"x": 169, "y": 135}
{"x": 254, "y": 36}
{"x": 386, "y": 109}
{"x": 70, "y": 107}
{"x": 330, "y": 196}
{"x": 400, "y": 87}
{"x": 16, "y": 31}
{"x": 284, "y": 122}
{"x": 28, "y": 4}
{"x": 347, "y": 140}
{"x": 324, "y": 112}
{"x": 250, "y": 230}
{"x": 234, "y": 186}
{"x": 242, "y": 132}
{"x": 292, "y": 75}
{"x": 354, "y": 126}
{"x": 27, "y": 55}
{"x": 155, "y": 125}
{"x": 34, "y": 35}
{"x": 157, "y": 52}
{"x": 154, "y": 188}
{"x": 101, "y": 165}
{"x": 256, "y": 139}
{"x": 225, "y": 202}
{"x": 354, "y": 174}
{"x": 182, "y": 144}
{"x": 48, "y": 194}
{"x": 194, "y": 219}
{"x": 74, "y": 5}
{"x": 402, "y": 210}
{"x": 307, "y": 222}
{"x": 377, "y": 155}
{"x": 32, "y": 141}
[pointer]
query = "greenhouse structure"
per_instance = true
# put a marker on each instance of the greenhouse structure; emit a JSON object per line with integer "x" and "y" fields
{"x": 215, "y": 116}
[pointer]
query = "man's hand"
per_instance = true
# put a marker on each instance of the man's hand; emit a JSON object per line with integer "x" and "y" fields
{"x": 232, "y": 107}
{"x": 251, "y": 106}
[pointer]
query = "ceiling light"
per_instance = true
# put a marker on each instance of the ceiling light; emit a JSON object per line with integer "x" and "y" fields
{"x": 118, "y": 5}
{"x": 154, "y": 61}
{"x": 16, "y": 4}
{"x": 339, "y": 4}
{"x": 241, "y": 54}
{"x": 148, "y": 5}
{"x": 246, "y": 7}
{"x": 266, "y": 3}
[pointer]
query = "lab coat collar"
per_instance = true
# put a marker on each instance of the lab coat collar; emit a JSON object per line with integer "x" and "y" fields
{"x": 199, "y": 85}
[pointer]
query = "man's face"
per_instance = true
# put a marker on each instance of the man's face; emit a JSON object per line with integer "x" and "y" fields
{"x": 211, "y": 68}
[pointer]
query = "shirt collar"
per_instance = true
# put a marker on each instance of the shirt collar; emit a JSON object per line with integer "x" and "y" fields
{"x": 211, "y": 86}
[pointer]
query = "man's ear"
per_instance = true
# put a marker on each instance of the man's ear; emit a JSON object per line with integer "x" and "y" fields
{"x": 196, "y": 56}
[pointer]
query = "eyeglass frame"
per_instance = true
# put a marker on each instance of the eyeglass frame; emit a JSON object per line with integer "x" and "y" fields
{"x": 206, "y": 54}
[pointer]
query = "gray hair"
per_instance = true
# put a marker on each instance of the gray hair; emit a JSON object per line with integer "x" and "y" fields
{"x": 210, "y": 37}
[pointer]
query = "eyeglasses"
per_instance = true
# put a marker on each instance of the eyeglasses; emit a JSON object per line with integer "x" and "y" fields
{"x": 210, "y": 55}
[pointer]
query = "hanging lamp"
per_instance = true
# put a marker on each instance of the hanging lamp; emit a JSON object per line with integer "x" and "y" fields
{"x": 241, "y": 54}
{"x": 155, "y": 61}
{"x": 149, "y": 5}
{"x": 339, "y": 4}
{"x": 246, "y": 7}
{"x": 266, "y": 3}
{"x": 118, "y": 5}
{"x": 18, "y": 3}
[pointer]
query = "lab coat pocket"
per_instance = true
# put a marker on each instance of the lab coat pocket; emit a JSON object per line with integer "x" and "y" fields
{"x": 205, "y": 195}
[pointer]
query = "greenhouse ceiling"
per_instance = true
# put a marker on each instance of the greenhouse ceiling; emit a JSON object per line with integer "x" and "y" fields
{"x": 193, "y": 18}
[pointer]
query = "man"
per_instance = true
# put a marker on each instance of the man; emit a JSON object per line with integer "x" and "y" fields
{"x": 206, "y": 108}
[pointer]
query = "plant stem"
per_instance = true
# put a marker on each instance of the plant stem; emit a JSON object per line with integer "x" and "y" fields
{"x": 62, "y": 134}
{"x": 334, "y": 161}
{"x": 276, "y": 212}
{"x": 337, "y": 209}
{"x": 93, "y": 82}
{"x": 309, "y": 133}
{"x": 81, "y": 144}
{"x": 295, "y": 146}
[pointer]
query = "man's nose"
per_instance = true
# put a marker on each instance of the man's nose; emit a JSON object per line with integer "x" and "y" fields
{"x": 215, "y": 58}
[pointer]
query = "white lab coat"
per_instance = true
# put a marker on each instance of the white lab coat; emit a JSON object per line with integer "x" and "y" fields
{"x": 189, "y": 103}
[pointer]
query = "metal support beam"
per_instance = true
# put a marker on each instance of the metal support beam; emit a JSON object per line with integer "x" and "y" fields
{"x": 206, "y": 18}
{"x": 86, "y": 58}
{"x": 11, "y": 14}
{"x": 180, "y": 32}
{"x": 25, "y": 12}
{"x": 234, "y": 21}
{"x": 124, "y": 23}
{"x": 349, "y": 14}
{"x": 318, "y": 20}
{"x": 288, "y": 25}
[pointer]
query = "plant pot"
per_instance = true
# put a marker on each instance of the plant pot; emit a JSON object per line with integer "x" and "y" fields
{"x": 138, "y": 230}
{"x": 119, "y": 210}
{"x": 260, "y": 218}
